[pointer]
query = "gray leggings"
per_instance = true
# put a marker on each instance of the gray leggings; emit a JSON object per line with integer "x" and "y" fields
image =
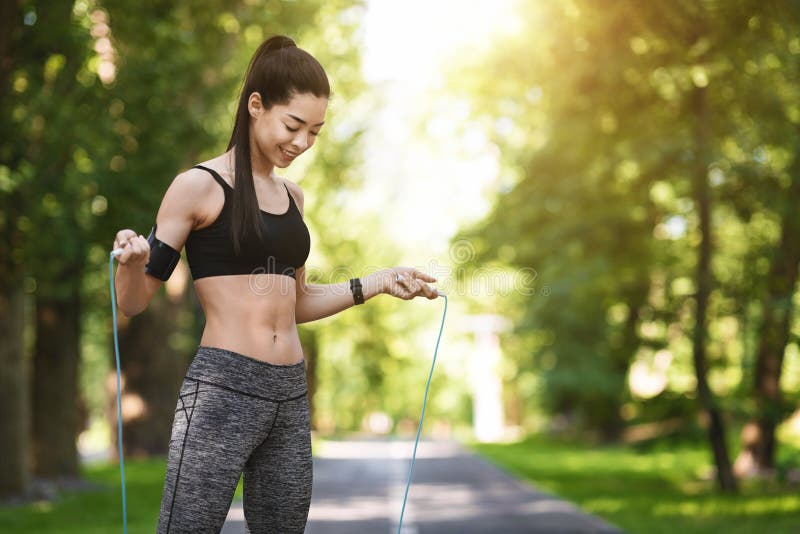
{"x": 235, "y": 415}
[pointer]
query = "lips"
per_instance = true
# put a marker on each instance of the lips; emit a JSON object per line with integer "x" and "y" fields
{"x": 287, "y": 154}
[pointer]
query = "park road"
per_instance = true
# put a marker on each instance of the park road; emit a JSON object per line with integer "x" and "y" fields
{"x": 359, "y": 487}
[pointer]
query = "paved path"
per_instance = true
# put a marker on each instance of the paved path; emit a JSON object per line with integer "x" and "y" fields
{"x": 359, "y": 487}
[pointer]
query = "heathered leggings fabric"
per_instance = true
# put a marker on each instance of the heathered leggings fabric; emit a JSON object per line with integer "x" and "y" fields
{"x": 237, "y": 415}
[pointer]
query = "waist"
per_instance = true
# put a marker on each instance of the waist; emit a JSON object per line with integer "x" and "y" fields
{"x": 228, "y": 369}
{"x": 278, "y": 347}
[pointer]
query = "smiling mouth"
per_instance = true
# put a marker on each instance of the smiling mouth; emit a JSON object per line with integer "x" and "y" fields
{"x": 288, "y": 154}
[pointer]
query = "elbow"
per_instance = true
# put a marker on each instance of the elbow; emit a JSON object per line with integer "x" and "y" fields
{"x": 129, "y": 312}
{"x": 299, "y": 318}
{"x": 129, "y": 309}
{"x": 300, "y": 315}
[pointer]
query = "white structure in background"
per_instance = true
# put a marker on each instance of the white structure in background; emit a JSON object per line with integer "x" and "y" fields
{"x": 487, "y": 388}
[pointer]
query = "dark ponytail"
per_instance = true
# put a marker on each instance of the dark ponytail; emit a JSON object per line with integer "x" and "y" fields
{"x": 278, "y": 70}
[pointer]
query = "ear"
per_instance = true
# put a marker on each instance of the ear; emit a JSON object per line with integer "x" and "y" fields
{"x": 254, "y": 104}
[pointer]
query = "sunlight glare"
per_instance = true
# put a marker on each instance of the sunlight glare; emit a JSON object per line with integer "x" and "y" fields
{"x": 428, "y": 183}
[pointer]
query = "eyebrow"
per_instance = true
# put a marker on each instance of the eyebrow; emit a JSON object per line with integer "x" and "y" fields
{"x": 301, "y": 121}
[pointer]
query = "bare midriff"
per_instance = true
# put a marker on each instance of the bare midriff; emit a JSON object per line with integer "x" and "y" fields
{"x": 252, "y": 314}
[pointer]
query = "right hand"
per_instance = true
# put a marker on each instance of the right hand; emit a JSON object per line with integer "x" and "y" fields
{"x": 135, "y": 248}
{"x": 411, "y": 284}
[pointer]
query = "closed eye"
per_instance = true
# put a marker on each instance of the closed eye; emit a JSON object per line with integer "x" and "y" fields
{"x": 295, "y": 129}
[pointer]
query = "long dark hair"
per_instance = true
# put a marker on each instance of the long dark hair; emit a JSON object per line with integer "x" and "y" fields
{"x": 278, "y": 70}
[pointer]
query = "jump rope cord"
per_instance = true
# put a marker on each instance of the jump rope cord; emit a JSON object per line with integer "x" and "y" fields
{"x": 119, "y": 402}
{"x": 422, "y": 418}
{"x": 119, "y": 396}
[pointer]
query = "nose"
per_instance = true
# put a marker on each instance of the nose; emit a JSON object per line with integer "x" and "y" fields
{"x": 300, "y": 142}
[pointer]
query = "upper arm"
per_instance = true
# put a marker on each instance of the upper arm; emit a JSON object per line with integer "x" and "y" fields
{"x": 178, "y": 215}
{"x": 300, "y": 277}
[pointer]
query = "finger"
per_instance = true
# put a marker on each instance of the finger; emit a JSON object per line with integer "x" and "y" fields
{"x": 424, "y": 276}
{"x": 423, "y": 289}
{"x": 412, "y": 285}
{"x": 138, "y": 245}
{"x": 124, "y": 235}
{"x": 428, "y": 291}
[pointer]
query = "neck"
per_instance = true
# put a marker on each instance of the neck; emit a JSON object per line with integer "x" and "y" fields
{"x": 260, "y": 164}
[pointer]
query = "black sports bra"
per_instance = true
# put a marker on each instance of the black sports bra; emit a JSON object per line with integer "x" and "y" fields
{"x": 286, "y": 245}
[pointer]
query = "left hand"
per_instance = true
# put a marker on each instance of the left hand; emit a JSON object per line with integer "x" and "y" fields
{"x": 410, "y": 284}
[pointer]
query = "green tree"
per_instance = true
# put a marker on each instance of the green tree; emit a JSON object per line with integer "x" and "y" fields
{"x": 620, "y": 121}
{"x": 202, "y": 55}
{"x": 46, "y": 92}
{"x": 764, "y": 169}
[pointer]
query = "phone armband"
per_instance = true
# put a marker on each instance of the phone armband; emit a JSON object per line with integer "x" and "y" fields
{"x": 163, "y": 258}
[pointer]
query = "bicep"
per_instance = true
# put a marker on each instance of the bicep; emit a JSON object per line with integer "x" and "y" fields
{"x": 175, "y": 218}
{"x": 178, "y": 211}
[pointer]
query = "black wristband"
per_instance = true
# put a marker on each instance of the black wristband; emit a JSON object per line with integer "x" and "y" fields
{"x": 355, "y": 288}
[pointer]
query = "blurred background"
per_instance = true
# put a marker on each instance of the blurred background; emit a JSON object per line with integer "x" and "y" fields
{"x": 609, "y": 193}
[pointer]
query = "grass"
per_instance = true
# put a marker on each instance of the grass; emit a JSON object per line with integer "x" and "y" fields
{"x": 99, "y": 510}
{"x": 660, "y": 490}
{"x": 664, "y": 489}
{"x": 96, "y": 511}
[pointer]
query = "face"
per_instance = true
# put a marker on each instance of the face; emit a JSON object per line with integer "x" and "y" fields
{"x": 285, "y": 131}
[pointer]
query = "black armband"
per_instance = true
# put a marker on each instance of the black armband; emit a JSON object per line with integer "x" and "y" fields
{"x": 163, "y": 258}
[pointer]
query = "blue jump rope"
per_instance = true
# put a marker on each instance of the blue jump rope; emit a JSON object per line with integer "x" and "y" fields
{"x": 117, "y": 252}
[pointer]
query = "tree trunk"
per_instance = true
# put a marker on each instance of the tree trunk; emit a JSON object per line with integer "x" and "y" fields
{"x": 14, "y": 400}
{"x": 758, "y": 435}
{"x": 14, "y": 394}
{"x": 716, "y": 429}
{"x": 56, "y": 409}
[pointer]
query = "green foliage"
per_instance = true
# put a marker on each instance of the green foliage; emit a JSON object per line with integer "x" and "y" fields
{"x": 666, "y": 488}
{"x": 592, "y": 107}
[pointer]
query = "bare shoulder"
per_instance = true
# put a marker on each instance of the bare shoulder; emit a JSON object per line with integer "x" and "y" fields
{"x": 190, "y": 188}
{"x": 184, "y": 205}
{"x": 200, "y": 179}
{"x": 296, "y": 192}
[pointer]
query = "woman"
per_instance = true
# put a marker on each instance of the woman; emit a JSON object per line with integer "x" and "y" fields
{"x": 243, "y": 405}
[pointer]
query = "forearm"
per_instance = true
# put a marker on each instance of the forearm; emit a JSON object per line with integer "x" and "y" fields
{"x": 323, "y": 300}
{"x": 129, "y": 284}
